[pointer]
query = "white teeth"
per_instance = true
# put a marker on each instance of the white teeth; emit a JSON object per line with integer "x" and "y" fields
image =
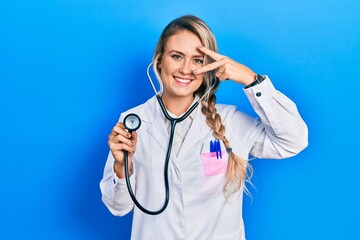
{"x": 183, "y": 80}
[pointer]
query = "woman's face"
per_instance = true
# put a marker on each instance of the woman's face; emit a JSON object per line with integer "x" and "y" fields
{"x": 181, "y": 56}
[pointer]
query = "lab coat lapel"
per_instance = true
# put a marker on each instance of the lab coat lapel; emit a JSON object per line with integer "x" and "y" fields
{"x": 156, "y": 127}
{"x": 197, "y": 132}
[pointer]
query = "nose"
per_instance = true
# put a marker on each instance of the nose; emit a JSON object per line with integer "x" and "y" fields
{"x": 186, "y": 68}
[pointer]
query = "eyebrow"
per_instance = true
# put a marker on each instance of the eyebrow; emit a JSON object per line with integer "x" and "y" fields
{"x": 181, "y": 53}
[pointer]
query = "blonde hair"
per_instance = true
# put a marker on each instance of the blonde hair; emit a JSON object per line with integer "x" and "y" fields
{"x": 237, "y": 170}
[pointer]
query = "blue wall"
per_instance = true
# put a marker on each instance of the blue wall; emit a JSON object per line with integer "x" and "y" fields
{"x": 68, "y": 68}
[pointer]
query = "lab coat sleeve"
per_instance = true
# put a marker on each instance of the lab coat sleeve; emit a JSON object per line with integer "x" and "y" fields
{"x": 280, "y": 132}
{"x": 114, "y": 190}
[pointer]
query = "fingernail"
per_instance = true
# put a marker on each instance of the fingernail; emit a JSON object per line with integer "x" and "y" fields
{"x": 129, "y": 135}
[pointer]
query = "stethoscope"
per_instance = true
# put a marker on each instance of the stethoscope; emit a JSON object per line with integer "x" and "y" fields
{"x": 132, "y": 122}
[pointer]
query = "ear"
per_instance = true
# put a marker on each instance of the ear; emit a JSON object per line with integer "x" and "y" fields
{"x": 158, "y": 63}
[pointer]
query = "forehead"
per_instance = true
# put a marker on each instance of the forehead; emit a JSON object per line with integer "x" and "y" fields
{"x": 183, "y": 41}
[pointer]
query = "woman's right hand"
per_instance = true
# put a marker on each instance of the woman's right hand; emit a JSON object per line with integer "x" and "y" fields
{"x": 121, "y": 140}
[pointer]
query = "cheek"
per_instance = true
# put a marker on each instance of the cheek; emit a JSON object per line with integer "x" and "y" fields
{"x": 168, "y": 66}
{"x": 199, "y": 77}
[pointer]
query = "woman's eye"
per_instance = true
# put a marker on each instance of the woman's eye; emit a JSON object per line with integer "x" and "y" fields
{"x": 199, "y": 61}
{"x": 176, "y": 57}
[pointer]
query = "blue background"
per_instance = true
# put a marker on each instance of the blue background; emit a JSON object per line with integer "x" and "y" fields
{"x": 68, "y": 68}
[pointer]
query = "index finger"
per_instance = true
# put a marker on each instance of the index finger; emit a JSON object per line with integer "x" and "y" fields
{"x": 208, "y": 67}
{"x": 212, "y": 54}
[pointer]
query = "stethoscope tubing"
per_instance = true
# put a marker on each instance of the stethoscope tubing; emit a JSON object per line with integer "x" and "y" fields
{"x": 173, "y": 122}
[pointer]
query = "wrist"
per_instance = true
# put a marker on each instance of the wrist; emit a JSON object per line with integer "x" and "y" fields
{"x": 257, "y": 80}
{"x": 249, "y": 80}
{"x": 119, "y": 169}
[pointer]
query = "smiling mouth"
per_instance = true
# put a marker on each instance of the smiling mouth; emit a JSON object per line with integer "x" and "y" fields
{"x": 183, "y": 81}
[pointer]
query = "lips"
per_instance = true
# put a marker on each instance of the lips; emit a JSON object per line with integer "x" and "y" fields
{"x": 183, "y": 81}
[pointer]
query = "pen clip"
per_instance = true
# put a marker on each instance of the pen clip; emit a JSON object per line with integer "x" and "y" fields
{"x": 219, "y": 148}
{"x": 212, "y": 147}
{"x": 216, "y": 148}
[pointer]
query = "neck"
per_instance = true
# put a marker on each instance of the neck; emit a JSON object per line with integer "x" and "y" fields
{"x": 177, "y": 105}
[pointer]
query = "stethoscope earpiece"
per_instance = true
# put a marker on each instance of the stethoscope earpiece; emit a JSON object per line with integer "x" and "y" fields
{"x": 132, "y": 122}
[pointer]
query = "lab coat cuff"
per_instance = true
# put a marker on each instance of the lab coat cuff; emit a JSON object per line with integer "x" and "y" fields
{"x": 260, "y": 92}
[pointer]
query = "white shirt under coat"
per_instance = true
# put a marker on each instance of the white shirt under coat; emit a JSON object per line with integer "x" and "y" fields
{"x": 197, "y": 208}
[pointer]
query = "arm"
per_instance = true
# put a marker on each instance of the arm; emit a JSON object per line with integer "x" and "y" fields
{"x": 114, "y": 191}
{"x": 113, "y": 186}
{"x": 281, "y": 132}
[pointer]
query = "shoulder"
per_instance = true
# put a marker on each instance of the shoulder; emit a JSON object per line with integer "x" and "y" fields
{"x": 224, "y": 109}
{"x": 227, "y": 111}
{"x": 231, "y": 115}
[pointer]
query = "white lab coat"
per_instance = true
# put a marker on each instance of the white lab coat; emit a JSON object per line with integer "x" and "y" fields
{"x": 197, "y": 208}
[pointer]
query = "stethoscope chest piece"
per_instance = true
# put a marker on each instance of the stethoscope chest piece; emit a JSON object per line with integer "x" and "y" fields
{"x": 132, "y": 122}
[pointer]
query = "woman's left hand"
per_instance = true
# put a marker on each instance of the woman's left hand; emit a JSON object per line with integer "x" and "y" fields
{"x": 227, "y": 68}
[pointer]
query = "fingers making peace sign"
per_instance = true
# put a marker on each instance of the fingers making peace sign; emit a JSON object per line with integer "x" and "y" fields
{"x": 226, "y": 68}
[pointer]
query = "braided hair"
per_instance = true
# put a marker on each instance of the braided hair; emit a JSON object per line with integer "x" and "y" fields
{"x": 238, "y": 170}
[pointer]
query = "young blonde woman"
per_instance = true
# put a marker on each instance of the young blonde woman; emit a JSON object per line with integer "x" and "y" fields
{"x": 209, "y": 159}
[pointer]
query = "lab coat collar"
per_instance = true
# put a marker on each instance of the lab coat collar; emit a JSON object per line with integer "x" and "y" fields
{"x": 191, "y": 116}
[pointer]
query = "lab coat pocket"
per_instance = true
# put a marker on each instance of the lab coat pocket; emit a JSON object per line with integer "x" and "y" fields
{"x": 212, "y": 165}
{"x": 212, "y": 173}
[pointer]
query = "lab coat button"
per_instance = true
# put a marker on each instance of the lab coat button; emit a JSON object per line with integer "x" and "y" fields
{"x": 258, "y": 94}
{"x": 114, "y": 181}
